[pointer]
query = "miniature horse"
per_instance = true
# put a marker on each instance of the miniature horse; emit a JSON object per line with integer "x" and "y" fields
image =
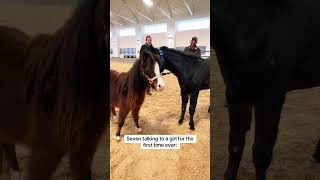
{"x": 127, "y": 90}
{"x": 61, "y": 84}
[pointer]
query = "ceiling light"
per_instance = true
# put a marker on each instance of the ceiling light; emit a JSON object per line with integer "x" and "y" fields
{"x": 148, "y": 2}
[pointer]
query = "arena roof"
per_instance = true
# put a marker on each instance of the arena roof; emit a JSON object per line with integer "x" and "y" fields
{"x": 131, "y": 12}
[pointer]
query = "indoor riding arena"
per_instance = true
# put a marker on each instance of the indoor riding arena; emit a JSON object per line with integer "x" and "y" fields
{"x": 171, "y": 24}
{"x": 298, "y": 134}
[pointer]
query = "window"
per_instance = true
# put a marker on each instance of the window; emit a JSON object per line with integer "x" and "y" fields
{"x": 127, "y": 51}
{"x": 203, "y": 23}
{"x": 155, "y": 28}
{"x": 202, "y": 49}
{"x": 127, "y": 32}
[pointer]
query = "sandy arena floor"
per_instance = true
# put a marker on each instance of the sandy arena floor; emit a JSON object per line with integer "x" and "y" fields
{"x": 159, "y": 115}
{"x": 299, "y": 131}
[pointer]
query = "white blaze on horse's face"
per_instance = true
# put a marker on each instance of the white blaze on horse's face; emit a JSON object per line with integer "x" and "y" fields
{"x": 160, "y": 82}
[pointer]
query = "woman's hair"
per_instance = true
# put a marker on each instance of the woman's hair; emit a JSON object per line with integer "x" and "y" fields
{"x": 148, "y": 37}
{"x": 194, "y": 38}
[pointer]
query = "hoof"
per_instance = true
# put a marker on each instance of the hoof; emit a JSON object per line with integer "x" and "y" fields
{"x": 139, "y": 130}
{"x": 118, "y": 138}
{"x": 192, "y": 128}
{"x": 180, "y": 122}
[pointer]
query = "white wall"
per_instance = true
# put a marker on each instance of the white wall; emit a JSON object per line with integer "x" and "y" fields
{"x": 114, "y": 43}
{"x": 183, "y": 38}
{"x": 138, "y": 40}
{"x": 171, "y": 38}
{"x": 127, "y": 42}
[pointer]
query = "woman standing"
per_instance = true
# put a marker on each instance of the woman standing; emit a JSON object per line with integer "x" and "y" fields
{"x": 147, "y": 45}
{"x": 193, "y": 48}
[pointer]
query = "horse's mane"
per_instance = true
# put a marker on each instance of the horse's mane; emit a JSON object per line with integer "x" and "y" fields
{"x": 130, "y": 84}
{"x": 189, "y": 57}
{"x": 65, "y": 75}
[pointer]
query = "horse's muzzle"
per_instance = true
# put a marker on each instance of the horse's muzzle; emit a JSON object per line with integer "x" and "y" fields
{"x": 160, "y": 85}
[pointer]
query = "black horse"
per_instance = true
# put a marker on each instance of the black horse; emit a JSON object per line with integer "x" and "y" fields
{"x": 264, "y": 49}
{"x": 193, "y": 74}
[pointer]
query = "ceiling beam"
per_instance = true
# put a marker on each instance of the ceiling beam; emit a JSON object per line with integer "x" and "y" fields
{"x": 115, "y": 22}
{"x": 170, "y": 12}
{"x": 136, "y": 11}
{"x": 188, "y": 7}
{"x": 132, "y": 12}
{"x": 162, "y": 11}
{"x": 135, "y": 17}
{"x": 123, "y": 17}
